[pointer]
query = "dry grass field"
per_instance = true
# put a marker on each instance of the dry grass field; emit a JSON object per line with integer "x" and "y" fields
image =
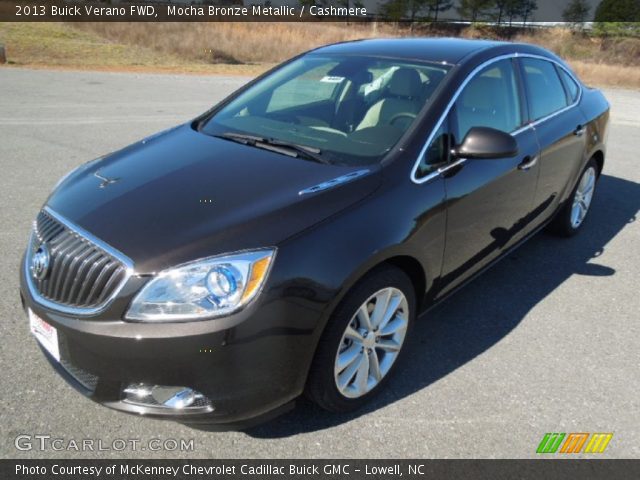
{"x": 250, "y": 48}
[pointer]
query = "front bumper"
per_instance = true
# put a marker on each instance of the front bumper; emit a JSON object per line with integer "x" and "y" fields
{"x": 248, "y": 365}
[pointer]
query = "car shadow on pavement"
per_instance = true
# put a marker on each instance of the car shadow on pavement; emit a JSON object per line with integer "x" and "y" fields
{"x": 481, "y": 314}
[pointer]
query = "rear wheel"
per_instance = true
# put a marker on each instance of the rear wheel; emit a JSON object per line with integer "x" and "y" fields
{"x": 573, "y": 214}
{"x": 363, "y": 341}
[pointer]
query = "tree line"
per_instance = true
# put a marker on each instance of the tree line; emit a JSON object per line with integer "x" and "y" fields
{"x": 608, "y": 15}
{"x": 500, "y": 11}
{"x": 611, "y": 17}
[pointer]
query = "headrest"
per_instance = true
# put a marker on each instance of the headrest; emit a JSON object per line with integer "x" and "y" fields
{"x": 405, "y": 82}
{"x": 435, "y": 76}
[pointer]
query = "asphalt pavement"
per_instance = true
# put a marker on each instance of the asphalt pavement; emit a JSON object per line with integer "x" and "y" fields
{"x": 546, "y": 341}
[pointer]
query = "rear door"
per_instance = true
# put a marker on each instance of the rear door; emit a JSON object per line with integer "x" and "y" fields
{"x": 560, "y": 128}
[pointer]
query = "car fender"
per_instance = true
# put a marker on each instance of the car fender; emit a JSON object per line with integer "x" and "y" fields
{"x": 341, "y": 250}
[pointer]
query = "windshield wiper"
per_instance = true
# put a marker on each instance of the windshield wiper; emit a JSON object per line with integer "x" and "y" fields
{"x": 279, "y": 146}
{"x": 241, "y": 138}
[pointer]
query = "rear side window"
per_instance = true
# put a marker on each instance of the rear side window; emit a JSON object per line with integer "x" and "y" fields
{"x": 572, "y": 86}
{"x": 546, "y": 93}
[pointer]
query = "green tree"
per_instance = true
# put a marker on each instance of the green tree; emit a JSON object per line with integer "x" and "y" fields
{"x": 513, "y": 9}
{"x": 394, "y": 10}
{"x": 526, "y": 8}
{"x": 508, "y": 10}
{"x": 500, "y": 6}
{"x": 618, "y": 17}
{"x": 474, "y": 10}
{"x": 434, "y": 7}
{"x": 414, "y": 7}
{"x": 576, "y": 13}
{"x": 618, "y": 11}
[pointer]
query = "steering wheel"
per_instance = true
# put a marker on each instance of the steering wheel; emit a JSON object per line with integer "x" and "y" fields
{"x": 400, "y": 115}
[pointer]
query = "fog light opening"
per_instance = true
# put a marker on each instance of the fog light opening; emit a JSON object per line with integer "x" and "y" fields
{"x": 165, "y": 397}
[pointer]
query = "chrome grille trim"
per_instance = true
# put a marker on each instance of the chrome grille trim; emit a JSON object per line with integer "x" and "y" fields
{"x": 87, "y": 274}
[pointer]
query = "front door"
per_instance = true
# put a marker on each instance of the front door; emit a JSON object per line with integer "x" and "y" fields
{"x": 489, "y": 201}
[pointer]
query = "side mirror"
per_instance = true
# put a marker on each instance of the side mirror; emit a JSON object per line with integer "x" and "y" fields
{"x": 486, "y": 143}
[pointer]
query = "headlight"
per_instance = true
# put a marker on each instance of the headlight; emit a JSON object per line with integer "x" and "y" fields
{"x": 203, "y": 289}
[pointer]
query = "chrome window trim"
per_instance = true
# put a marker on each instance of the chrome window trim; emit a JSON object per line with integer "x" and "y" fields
{"x": 79, "y": 311}
{"x": 457, "y": 93}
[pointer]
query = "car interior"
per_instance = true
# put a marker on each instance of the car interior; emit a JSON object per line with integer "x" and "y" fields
{"x": 355, "y": 107}
{"x": 400, "y": 102}
{"x": 545, "y": 86}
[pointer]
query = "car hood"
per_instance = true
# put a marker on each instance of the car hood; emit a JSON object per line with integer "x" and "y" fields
{"x": 181, "y": 195}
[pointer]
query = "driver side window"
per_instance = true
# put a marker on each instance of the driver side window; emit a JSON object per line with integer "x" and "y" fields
{"x": 490, "y": 99}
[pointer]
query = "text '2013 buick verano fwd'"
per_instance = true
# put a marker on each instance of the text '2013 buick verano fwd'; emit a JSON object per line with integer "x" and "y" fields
{"x": 284, "y": 241}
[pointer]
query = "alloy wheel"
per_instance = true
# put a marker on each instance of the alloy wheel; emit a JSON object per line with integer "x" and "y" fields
{"x": 583, "y": 197}
{"x": 371, "y": 342}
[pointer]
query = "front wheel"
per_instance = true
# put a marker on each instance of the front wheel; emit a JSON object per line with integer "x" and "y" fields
{"x": 363, "y": 341}
{"x": 572, "y": 215}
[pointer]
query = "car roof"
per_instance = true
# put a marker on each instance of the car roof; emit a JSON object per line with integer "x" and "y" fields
{"x": 447, "y": 50}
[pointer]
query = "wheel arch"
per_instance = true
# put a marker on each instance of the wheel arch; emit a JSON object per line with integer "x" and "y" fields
{"x": 409, "y": 264}
{"x": 415, "y": 271}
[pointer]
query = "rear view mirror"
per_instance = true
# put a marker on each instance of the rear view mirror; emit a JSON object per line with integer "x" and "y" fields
{"x": 486, "y": 143}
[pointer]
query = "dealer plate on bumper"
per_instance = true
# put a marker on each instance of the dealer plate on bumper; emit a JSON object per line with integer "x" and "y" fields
{"x": 46, "y": 334}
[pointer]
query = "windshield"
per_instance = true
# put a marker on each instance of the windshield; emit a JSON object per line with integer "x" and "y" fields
{"x": 353, "y": 110}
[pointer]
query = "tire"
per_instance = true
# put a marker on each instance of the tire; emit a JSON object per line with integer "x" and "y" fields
{"x": 324, "y": 377}
{"x": 567, "y": 221}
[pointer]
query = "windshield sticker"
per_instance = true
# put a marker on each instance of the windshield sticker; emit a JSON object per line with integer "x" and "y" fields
{"x": 331, "y": 79}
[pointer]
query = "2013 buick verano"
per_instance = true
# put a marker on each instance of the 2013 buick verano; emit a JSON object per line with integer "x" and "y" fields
{"x": 285, "y": 241}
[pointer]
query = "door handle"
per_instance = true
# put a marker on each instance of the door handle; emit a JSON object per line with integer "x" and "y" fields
{"x": 528, "y": 162}
{"x": 578, "y": 132}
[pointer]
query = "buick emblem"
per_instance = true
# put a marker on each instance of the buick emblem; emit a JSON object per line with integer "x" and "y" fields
{"x": 106, "y": 181}
{"x": 40, "y": 262}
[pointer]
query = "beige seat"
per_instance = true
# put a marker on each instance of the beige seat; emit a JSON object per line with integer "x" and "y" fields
{"x": 402, "y": 97}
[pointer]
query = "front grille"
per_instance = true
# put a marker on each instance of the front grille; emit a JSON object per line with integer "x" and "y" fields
{"x": 81, "y": 275}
